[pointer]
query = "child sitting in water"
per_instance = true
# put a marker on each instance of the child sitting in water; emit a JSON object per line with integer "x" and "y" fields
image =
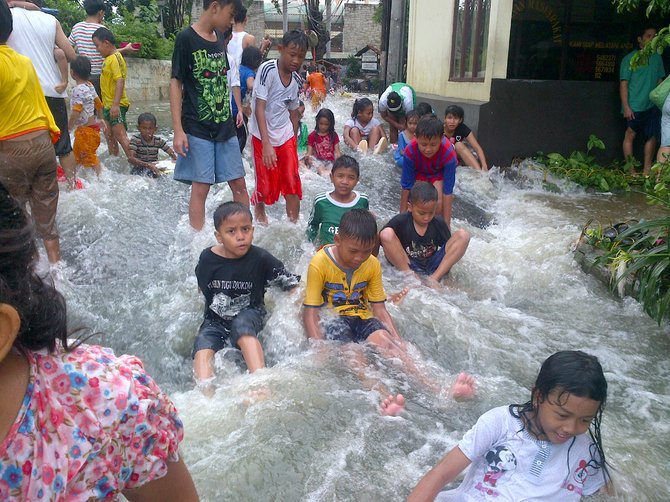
{"x": 347, "y": 279}
{"x": 362, "y": 130}
{"x": 145, "y": 146}
{"x": 85, "y": 115}
{"x": 420, "y": 240}
{"x": 76, "y": 421}
{"x": 548, "y": 448}
{"x": 460, "y": 136}
{"x": 330, "y": 206}
{"x": 405, "y": 137}
{"x": 429, "y": 158}
{"x": 323, "y": 144}
{"x": 233, "y": 276}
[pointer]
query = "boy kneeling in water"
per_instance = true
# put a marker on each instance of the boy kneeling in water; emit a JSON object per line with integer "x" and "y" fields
{"x": 233, "y": 276}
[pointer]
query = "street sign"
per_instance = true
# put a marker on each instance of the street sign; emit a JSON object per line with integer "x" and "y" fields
{"x": 369, "y": 66}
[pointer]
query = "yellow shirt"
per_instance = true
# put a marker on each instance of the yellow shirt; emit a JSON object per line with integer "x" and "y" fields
{"x": 348, "y": 292}
{"x": 24, "y": 109}
{"x": 113, "y": 68}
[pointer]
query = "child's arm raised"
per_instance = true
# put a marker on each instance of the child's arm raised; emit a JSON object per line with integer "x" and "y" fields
{"x": 444, "y": 472}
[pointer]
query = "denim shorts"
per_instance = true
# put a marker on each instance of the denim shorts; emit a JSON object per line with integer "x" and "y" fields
{"x": 428, "y": 266}
{"x": 216, "y": 335}
{"x": 209, "y": 162}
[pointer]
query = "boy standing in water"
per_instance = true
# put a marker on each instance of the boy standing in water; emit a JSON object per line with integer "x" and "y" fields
{"x": 274, "y": 126}
{"x": 233, "y": 276}
{"x": 205, "y": 139}
{"x": 419, "y": 240}
{"x": 345, "y": 277}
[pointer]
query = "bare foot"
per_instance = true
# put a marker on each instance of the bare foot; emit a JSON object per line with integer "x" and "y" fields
{"x": 60, "y": 87}
{"x": 207, "y": 387}
{"x": 393, "y": 405}
{"x": 260, "y": 217}
{"x": 397, "y": 298}
{"x": 256, "y": 395}
{"x": 463, "y": 388}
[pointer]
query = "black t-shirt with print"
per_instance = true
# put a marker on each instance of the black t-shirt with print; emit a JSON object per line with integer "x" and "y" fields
{"x": 419, "y": 247}
{"x": 460, "y": 133}
{"x": 231, "y": 285}
{"x": 202, "y": 68}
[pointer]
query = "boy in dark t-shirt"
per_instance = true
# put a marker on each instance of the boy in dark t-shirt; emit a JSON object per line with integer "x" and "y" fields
{"x": 458, "y": 134}
{"x": 233, "y": 276}
{"x": 420, "y": 241}
{"x": 205, "y": 138}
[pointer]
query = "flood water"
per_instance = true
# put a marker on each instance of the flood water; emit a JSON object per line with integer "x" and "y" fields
{"x": 515, "y": 298}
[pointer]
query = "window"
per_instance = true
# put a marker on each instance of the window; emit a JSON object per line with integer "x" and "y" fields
{"x": 471, "y": 29}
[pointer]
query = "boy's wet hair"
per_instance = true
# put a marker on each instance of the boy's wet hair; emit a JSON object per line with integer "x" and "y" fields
{"x": 6, "y": 22}
{"x": 422, "y": 191}
{"x": 252, "y": 57}
{"x": 454, "y": 110}
{"x": 81, "y": 66}
{"x": 348, "y": 162}
{"x": 240, "y": 14}
{"x": 227, "y": 209}
{"x": 424, "y": 108}
{"x": 237, "y": 4}
{"x": 146, "y": 117}
{"x": 429, "y": 126}
{"x": 296, "y": 38}
{"x": 359, "y": 225}
{"x": 360, "y": 104}
{"x": 104, "y": 35}
{"x": 412, "y": 114}
{"x": 93, "y": 6}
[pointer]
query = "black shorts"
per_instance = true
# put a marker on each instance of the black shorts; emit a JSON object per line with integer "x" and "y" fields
{"x": 242, "y": 134}
{"x": 351, "y": 328}
{"x": 59, "y": 111}
{"x": 216, "y": 335}
{"x": 95, "y": 80}
{"x": 647, "y": 123}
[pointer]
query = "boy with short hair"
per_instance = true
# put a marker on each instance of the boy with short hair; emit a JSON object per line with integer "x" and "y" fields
{"x": 458, "y": 134}
{"x": 274, "y": 126}
{"x": 419, "y": 240}
{"x": 113, "y": 86}
{"x": 329, "y": 207}
{"x": 429, "y": 158}
{"x": 233, "y": 277}
{"x": 145, "y": 146}
{"x": 345, "y": 277}
{"x": 204, "y": 130}
{"x": 86, "y": 115}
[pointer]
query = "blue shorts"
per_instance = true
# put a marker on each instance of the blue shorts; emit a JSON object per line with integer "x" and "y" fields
{"x": 216, "y": 335}
{"x": 209, "y": 161}
{"x": 428, "y": 266}
{"x": 346, "y": 328}
{"x": 647, "y": 123}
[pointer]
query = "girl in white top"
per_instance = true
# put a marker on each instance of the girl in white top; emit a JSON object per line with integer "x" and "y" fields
{"x": 362, "y": 130}
{"x": 548, "y": 448}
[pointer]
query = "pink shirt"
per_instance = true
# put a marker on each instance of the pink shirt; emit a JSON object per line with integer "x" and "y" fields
{"x": 323, "y": 147}
{"x": 91, "y": 425}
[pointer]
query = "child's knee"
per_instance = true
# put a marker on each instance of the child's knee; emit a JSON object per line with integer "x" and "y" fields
{"x": 462, "y": 235}
{"x": 387, "y": 235}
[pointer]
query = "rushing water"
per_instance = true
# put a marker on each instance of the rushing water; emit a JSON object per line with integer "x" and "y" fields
{"x": 516, "y": 297}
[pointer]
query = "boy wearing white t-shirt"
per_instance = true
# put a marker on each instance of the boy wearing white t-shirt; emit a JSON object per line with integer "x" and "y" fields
{"x": 274, "y": 126}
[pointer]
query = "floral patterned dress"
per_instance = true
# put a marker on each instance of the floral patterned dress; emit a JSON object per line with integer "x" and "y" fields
{"x": 91, "y": 425}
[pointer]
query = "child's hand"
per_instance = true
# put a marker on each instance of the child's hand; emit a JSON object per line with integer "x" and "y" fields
{"x": 180, "y": 143}
{"x": 269, "y": 156}
{"x": 240, "y": 119}
{"x": 114, "y": 111}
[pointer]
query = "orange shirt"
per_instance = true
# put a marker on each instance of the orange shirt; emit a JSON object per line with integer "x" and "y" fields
{"x": 24, "y": 109}
{"x": 317, "y": 81}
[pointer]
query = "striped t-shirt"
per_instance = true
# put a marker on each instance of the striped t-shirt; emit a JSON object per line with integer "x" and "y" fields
{"x": 82, "y": 39}
{"x": 441, "y": 166}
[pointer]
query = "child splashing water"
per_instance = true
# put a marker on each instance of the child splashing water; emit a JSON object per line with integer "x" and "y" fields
{"x": 548, "y": 448}
{"x": 323, "y": 144}
{"x": 72, "y": 417}
{"x": 362, "y": 130}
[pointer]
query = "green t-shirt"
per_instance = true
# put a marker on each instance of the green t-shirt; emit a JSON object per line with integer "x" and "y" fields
{"x": 326, "y": 215}
{"x": 641, "y": 81}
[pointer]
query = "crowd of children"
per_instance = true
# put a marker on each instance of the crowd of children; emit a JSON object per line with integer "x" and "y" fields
{"x": 344, "y": 276}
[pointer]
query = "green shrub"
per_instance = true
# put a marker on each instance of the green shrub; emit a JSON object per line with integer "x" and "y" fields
{"x": 131, "y": 28}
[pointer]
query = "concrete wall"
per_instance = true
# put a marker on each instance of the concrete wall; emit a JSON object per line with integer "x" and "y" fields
{"x": 359, "y": 28}
{"x": 430, "y": 42}
{"x": 148, "y": 79}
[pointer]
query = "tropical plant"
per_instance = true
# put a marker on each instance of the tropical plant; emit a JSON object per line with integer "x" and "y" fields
{"x": 70, "y": 12}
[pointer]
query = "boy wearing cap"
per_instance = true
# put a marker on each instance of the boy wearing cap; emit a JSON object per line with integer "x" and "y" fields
{"x": 397, "y": 100}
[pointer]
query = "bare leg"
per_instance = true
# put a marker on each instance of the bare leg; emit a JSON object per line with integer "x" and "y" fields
{"x": 112, "y": 144}
{"x": 649, "y": 150}
{"x": 355, "y": 136}
{"x": 663, "y": 154}
{"x": 196, "y": 205}
{"x": 121, "y": 136}
{"x": 628, "y": 138}
{"x": 52, "y": 247}
{"x": 467, "y": 156}
{"x": 203, "y": 368}
{"x": 375, "y": 136}
{"x": 61, "y": 61}
{"x": 393, "y": 133}
{"x": 454, "y": 251}
{"x": 393, "y": 249}
{"x": 259, "y": 213}
{"x": 292, "y": 207}
{"x": 239, "y": 189}
{"x": 252, "y": 352}
{"x": 69, "y": 165}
